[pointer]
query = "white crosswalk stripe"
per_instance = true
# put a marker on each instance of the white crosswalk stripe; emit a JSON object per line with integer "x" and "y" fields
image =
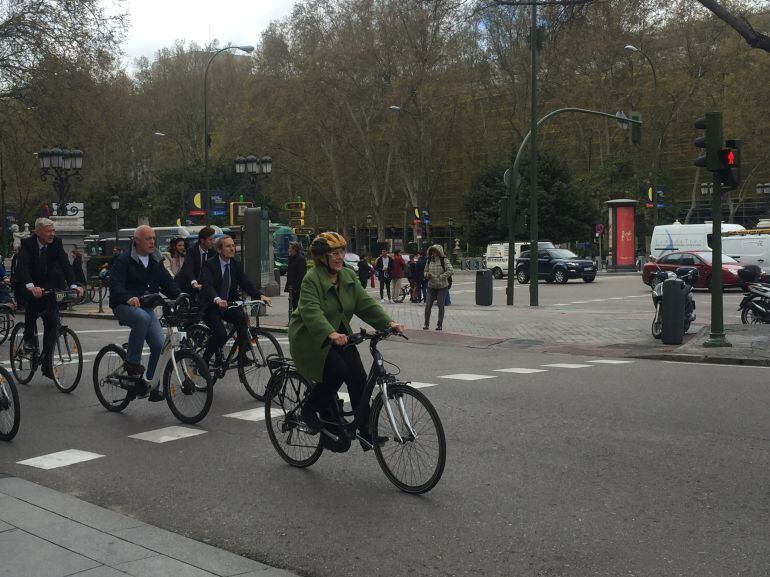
{"x": 521, "y": 371}
{"x": 60, "y": 459}
{"x": 167, "y": 434}
{"x": 567, "y": 366}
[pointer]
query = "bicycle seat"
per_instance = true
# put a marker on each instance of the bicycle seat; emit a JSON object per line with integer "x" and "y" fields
{"x": 274, "y": 363}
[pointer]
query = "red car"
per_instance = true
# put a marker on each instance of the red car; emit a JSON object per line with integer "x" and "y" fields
{"x": 701, "y": 260}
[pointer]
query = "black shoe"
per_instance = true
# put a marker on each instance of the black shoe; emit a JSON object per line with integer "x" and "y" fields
{"x": 425, "y": 328}
{"x": 310, "y": 418}
{"x": 30, "y": 346}
{"x": 438, "y": 327}
{"x": 367, "y": 438}
{"x": 156, "y": 395}
{"x": 133, "y": 369}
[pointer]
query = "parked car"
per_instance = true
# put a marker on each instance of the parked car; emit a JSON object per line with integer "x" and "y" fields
{"x": 701, "y": 260}
{"x": 556, "y": 265}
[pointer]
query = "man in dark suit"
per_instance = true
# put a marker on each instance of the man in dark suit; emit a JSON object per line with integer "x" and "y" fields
{"x": 221, "y": 278}
{"x": 42, "y": 265}
{"x": 189, "y": 275}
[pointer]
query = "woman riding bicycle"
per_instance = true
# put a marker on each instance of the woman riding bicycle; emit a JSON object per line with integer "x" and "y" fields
{"x": 330, "y": 296}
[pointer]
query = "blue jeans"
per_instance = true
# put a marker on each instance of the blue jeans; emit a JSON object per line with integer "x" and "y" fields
{"x": 145, "y": 326}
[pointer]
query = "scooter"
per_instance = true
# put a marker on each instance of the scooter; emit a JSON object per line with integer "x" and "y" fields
{"x": 690, "y": 277}
{"x": 755, "y": 305}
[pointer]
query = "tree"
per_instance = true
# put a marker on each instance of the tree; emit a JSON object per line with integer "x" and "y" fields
{"x": 740, "y": 24}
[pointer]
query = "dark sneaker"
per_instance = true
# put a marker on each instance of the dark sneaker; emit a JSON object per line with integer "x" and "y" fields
{"x": 133, "y": 369}
{"x": 156, "y": 395}
{"x": 310, "y": 418}
{"x": 30, "y": 346}
{"x": 368, "y": 438}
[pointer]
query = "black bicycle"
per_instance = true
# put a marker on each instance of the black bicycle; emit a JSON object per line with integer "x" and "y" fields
{"x": 66, "y": 360}
{"x": 10, "y": 409}
{"x": 253, "y": 371}
{"x": 186, "y": 382}
{"x": 7, "y": 311}
{"x": 413, "y": 459}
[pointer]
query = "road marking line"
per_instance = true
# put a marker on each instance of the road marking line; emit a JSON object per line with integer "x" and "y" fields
{"x": 567, "y": 366}
{"x": 717, "y": 365}
{"x": 60, "y": 459}
{"x": 104, "y": 331}
{"x": 610, "y": 362}
{"x": 167, "y": 434}
{"x": 257, "y": 414}
{"x": 521, "y": 371}
{"x": 467, "y": 377}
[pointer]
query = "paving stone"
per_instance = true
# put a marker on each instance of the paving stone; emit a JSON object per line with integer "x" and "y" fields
{"x": 102, "y": 571}
{"x": 218, "y": 561}
{"x": 162, "y": 566}
{"x": 25, "y": 555}
{"x": 66, "y": 505}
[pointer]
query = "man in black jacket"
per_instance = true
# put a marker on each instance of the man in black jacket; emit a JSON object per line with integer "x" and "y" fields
{"x": 135, "y": 273}
{"x": 189, "y": 275}
{"x": 42, "y": 265}
{"x": 221, "y": 278}
{"x": 295, "y": 273}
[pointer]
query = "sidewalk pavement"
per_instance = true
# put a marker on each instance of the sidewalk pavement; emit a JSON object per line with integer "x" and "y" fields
{"x": 44, "y": 533}
{"x": 589, "y": 330}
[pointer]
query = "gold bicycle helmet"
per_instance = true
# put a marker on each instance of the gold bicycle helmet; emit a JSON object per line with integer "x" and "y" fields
{"x": 326, "y": 242}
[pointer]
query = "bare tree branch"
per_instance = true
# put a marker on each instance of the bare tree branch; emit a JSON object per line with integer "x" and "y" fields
{"x": 738, "y": 23}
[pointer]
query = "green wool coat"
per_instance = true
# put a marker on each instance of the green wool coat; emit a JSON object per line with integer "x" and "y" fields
{"x": 322, "y": 309}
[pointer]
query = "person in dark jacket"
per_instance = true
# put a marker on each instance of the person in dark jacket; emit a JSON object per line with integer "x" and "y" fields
{"x": 383, "y": 268}
{"x": 364, "y": 271}
{"x": 135, "y": 273}
{"x": 422, "y": 283}
{"x": 223, "y": 278}
{"x": 77, "y": 266}
{"x": 295, "y": 273}
{"x": 42, "y": 265}
{"x": 187, "y": 278}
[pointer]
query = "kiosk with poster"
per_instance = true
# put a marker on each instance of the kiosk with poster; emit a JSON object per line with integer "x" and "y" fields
{"x": 622, "y": 235}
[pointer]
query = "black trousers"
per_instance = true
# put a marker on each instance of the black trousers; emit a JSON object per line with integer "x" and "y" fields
{"x": 343, "y": 366}
{"x": 47, "y": 309}
{"x": 384, "y": 284}
{"x": 214, "y": 317}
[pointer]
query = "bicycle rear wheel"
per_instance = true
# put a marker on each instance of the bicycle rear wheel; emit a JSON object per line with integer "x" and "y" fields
{"x": 107, "y": 367}
{"x": 67, "y": 361}
{"x": 190, "y": 399}
{"x": 285, "y": 428}
{"x": 6, "y": 324}
{"x": 414, "y": 464}
{"x": 255, "y": 374}
{"x": 10, "y": 409}
{"x": 23, "y": 363}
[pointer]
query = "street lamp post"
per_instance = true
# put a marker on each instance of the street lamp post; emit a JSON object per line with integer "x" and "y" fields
{"x": 369, "y": 233}
{"x": 60, "y": 163}
{"x": 256, "y": 168}
{"x": 206, "y": 142}
{"x": 450, "y": 222}
{"x": 420, "y": 160}
{"x": 655, "y": 137}
{"x": 115, "y": 205}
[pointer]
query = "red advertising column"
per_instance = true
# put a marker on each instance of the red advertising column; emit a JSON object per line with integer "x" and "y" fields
{"x": 622, "y": 241}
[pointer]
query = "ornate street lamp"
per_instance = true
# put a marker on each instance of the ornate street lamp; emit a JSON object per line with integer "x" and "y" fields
{"x": 61, "y": 164}
{"x": 255, "y": 167}
{"x": 115, "y": 205}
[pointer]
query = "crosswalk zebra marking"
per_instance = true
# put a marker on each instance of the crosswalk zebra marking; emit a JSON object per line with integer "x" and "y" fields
{"x": 60, "y": 459}
{"x": 167, "y": 434}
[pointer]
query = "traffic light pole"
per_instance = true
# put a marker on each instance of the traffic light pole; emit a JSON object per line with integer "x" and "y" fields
{"x": 513, "y": 190}
{"x": 717, "y": 336}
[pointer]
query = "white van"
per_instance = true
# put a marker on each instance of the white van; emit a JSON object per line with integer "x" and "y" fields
{"x": 749, "y": 249}
{"x": 668, "y": 238}
{"x": 497, "y": 257}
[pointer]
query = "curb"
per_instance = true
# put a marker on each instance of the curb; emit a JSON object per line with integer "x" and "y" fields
{"x": 690, "y": 358}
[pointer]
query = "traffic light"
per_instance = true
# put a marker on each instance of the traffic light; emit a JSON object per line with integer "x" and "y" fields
{"x": 294, "y": 206}
{"x": 711, "y": 141}
{"x": 636, "y": 129}
{"x": 730, "y": 163}
{"x": 425, "y": 216}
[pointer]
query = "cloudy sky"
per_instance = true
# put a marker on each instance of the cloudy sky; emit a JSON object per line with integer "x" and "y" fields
{"x": 156, "y": 24}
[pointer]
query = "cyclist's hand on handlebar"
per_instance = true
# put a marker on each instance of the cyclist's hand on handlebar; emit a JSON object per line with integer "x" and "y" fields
{"x": 133, "y": 302}
{"x": 80, "y": 291}
{"x": 338, "y": 339}
{"x": 397, "y": 326}
{"x": 36, "y": 291}
{"x": 267, "y": 300}
{"x": 196, "y": 285}
{"x": 222, "y": 303}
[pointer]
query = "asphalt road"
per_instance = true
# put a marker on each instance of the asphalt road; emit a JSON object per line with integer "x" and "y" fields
{"x": 641, "y": 468}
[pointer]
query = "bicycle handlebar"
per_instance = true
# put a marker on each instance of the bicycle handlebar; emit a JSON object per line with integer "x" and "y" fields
{"x": 376, "y": 336}
{"x": 239, "y": 304}
{"x": 157, "y": 299}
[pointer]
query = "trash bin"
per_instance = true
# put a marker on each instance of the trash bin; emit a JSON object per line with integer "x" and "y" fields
{"x": 672, "y": 311}
{"x": 484, "y": 287}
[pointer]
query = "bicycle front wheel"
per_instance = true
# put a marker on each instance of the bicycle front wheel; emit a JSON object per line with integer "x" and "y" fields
{"x": 416, "y": 462}
{"x": 23, "y": 363}
{"x": 67, "y": 361}
{"x": 189, "y": 398}
{"x": 285, "y": 428}
{"x": 108, "y": 367}
{"x": 254, "y": 372}
{"x": 10, "y": 409}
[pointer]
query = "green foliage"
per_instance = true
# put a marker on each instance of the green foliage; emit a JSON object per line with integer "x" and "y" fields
{"x": 486, "y": 223}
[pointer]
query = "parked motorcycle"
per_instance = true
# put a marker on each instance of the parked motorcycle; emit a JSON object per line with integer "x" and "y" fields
{"x": 690, "y": 277}
{"x": 755, "y": 306}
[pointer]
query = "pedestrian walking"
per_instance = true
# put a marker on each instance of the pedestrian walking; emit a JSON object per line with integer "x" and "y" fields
{"x": 77, "y": 266}
{"x": 364, "y": 270}
{"x": 383, "y": 267}
{"x": 438, "y": 271}
{"x": 173, "y": 258}
{"x": 411, "y": 275}
{"x": 421, "y": 281}
{"x": 295, "y": 273}
{"x": 399, "y": 272}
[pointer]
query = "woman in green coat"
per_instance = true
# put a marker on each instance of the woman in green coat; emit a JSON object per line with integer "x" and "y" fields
{"x": 330, "y": 296}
